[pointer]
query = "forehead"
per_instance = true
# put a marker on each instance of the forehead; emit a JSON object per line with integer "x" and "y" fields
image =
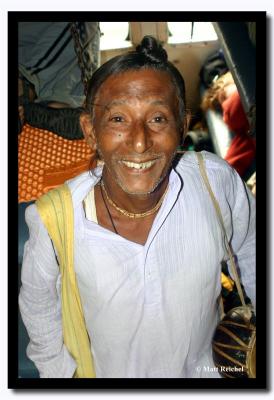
{"x": 141, "y": 84}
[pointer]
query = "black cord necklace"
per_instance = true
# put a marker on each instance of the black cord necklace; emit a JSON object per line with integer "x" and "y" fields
{"x": 110, "y": 217}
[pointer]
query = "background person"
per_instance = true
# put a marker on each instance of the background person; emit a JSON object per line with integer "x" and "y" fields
{"x": 55, "y": 61}
{"x": 223, "y": 94}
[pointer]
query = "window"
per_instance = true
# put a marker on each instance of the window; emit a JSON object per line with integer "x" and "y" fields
{"x": 187, "y": 32}
{"x": 114, "y": 35}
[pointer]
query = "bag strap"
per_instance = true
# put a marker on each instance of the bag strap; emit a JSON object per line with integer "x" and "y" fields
{"x": 56, "y": 211}
{"x": 219, "y": 215}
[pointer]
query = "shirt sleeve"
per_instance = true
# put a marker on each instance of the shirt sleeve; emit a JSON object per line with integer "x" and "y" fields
{"x": 238, "y": 209}
{"x": 243, "y": 239}
{"x": 40, "y": 303}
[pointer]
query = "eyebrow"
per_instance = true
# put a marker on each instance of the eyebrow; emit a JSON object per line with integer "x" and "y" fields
{"x": 159, "y": 103}
{"x": 121, "y": 102}
{"x": 115, "y": 103}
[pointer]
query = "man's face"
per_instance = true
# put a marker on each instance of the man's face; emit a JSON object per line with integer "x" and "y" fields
{"x": 136, "y": 128}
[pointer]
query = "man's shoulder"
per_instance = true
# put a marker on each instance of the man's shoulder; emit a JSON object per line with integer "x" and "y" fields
{"x": 220, "y": 174}
{"x": 80, "y": 185}
{"x": 211, "y": 160}
{"x": 213, "y": 163}
{"x": 77, "y": 181}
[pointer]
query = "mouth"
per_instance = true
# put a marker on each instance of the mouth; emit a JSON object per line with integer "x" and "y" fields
{"x": 139, "y": 166}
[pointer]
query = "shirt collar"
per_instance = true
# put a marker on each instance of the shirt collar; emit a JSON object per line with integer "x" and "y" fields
{"x": 175, "y": 186}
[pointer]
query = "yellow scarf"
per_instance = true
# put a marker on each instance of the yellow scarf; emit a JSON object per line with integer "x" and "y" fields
{"x": 56, "y": 211}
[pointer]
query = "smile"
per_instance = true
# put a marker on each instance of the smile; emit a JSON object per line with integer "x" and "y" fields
{"x": 139, "y": 166}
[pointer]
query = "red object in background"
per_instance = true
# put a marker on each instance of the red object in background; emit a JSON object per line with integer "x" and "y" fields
{"x": 242, "y": 150}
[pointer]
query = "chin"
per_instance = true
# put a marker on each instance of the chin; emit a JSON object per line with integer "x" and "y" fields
{"x": 139, "y": 188}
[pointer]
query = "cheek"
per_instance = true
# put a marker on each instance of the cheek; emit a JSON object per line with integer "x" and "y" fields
{"x": 109, "y": 144}
{"x": 168, "y": 143}
{"x": 109, "y": 139}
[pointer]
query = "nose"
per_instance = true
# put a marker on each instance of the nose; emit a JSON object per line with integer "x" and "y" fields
{"x": 140, "y": 138}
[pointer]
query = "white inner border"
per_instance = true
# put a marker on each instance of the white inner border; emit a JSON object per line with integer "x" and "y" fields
{"x": 107, "y": 5}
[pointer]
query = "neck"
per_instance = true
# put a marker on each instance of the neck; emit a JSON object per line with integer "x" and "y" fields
{"x": 133, "y": 203}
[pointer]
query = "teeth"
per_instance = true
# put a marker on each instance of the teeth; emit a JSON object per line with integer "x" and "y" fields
{"x": 144, "y": 165}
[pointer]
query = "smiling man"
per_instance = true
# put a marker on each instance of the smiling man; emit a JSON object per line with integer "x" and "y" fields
{"x": 136, "y": 130}
{"x": 147, "y": 243}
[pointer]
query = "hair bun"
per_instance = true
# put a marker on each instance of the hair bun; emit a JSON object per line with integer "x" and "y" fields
{"x": 152, "y": 49}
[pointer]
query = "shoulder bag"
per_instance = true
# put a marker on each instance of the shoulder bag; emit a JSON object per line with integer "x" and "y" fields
{"x": 234, "y": 341}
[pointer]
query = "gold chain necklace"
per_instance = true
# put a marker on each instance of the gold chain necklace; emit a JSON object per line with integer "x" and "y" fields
{"x": 133, "y": 215}
{"x": 110, "y": 217}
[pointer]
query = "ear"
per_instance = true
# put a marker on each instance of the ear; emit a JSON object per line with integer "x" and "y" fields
{"x": 185, "y": 125}
{"x": 88, "y": 130}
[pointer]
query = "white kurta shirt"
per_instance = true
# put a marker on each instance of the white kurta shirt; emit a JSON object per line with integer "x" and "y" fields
{"x": 150, "y": 310}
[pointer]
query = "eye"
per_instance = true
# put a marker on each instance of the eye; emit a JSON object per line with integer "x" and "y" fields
{"x": 159, "y": 119}
{"x": 117, "y": 118}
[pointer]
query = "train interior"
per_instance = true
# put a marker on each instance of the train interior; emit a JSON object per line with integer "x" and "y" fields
{"x": 216, "y": 59}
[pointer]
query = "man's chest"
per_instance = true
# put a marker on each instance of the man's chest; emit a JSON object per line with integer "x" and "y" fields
{"x": 186, "y": 248}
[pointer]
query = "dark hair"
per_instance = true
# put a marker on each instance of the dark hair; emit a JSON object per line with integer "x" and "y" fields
{"x": 149, "y": 54}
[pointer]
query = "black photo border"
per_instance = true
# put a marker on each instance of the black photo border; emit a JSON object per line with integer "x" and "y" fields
{"x": 262, "y": 379}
